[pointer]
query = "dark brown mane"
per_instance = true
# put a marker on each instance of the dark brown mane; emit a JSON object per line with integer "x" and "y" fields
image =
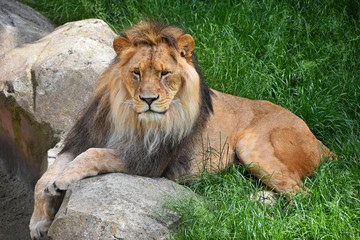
{"x": 153, "y": 33}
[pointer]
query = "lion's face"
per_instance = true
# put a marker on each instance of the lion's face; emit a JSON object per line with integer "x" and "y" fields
{"x": 155, "y": 89}
{"x": 153, "y": 80}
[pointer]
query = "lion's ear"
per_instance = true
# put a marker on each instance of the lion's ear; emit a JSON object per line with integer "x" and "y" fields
{"x": 119, "y": 44}
{"x": 186, "y": 44}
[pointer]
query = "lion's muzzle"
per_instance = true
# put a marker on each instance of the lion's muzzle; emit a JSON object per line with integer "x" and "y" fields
{"x": 149, "y": 100}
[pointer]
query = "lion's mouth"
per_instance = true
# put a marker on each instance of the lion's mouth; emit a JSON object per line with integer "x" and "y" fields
{"x": 151, "y": 115}
{"x": 150, "y": 111}
{"x": 157, "y": 112}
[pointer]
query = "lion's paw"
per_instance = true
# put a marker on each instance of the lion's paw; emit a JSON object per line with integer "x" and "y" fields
{"x": 56, "y": 187}
{"x": 39, "y": 229}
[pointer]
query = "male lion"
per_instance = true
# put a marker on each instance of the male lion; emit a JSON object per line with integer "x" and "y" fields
{"x": 152, "y": 114}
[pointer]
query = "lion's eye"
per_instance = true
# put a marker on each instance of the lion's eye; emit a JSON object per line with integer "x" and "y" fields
{"x": 136, "y": 71}
{"x": 164, "y": 73}
{"x": 136, "y": 74}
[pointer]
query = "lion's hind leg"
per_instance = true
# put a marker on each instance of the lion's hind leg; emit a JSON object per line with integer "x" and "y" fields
{"x": 45, "y": 206}
{"x": 281, "y": 158}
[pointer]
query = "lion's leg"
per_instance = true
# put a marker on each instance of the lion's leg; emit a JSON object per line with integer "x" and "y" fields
{"x": 45, "y": 206}
{"x": 90, "y": 163}
{"x": 281, "y": 158}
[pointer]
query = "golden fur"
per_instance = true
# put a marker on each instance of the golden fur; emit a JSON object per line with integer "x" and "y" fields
{"x": 152, "y": 114}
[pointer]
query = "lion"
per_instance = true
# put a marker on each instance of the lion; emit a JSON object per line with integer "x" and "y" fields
{"x": 152, "y": 114}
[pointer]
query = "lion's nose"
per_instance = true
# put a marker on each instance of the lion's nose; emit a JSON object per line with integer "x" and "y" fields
{"x": 149, "y": 100}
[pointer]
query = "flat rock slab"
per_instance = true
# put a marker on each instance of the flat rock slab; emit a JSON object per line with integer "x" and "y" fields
{"x": 117, "y": 206}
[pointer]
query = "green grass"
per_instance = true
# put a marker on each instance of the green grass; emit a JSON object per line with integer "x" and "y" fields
{"x": 303, "y": 55}
{"x": 227, "y": 211}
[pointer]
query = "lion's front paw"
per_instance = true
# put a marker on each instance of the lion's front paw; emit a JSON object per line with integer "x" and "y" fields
{"x": 56, "y": 187}
{"x": 39, "y": 229}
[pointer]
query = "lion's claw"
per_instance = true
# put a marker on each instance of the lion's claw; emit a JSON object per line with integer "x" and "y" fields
{"x": 53, "y": 190}
{"x": 41, "y": 235}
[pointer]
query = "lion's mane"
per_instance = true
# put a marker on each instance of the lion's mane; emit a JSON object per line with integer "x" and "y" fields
{"x": 151, "y": 146}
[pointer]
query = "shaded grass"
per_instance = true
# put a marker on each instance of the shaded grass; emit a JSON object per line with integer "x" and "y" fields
{"x": 303, "y": 55}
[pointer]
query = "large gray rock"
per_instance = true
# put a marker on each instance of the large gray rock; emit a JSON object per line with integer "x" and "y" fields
{"x": 43, "y": 88}
{"x": 20, "y": 24}
{"x": 117, "y": 206}
{"x": 54, "y": 77}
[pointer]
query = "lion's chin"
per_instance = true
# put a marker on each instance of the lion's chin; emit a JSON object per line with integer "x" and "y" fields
{"x": 151, "y": 115}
